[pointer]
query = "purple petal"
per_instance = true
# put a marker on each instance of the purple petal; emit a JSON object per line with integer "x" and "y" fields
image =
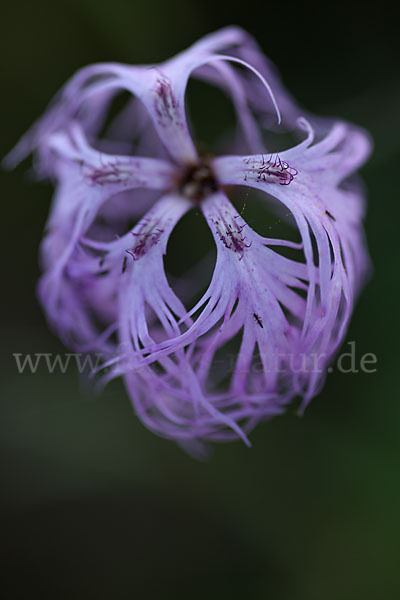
{"x": 302, "y": 180}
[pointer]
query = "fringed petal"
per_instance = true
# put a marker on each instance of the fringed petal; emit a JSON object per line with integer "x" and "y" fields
{"x": 328, "y": 219}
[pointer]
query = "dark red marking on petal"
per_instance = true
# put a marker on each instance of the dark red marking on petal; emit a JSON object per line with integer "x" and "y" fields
{"x": 165, "y": 103}
{"x": 108, "y": 172}
{"x": 270, "y": 170}
{"x": 145, "y": 241}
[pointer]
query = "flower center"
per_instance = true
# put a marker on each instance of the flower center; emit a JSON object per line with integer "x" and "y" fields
{"x": 197, "y": 181}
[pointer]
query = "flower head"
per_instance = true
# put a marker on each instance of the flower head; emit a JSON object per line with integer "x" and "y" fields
{"x": 282, "y": 305}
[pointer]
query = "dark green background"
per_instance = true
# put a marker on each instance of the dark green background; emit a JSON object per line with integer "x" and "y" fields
{"x": 95, "y": 506}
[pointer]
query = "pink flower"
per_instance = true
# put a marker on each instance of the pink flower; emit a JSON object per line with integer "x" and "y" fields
{"x": 104, "y": 286}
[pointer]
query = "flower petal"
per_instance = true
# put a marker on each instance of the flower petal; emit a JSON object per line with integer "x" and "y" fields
{"x": 250, "y": 285}
{"x": 94, "y": 86}
{"x": 86, "y": 180}
{"x": 129, "y": 288}
{"x": 326, "y": 215}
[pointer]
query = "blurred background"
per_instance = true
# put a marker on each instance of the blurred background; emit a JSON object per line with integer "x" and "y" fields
{"x": 95, "y": 506}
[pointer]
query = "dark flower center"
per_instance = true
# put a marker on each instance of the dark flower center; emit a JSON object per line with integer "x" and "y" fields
{"x": 197, "y": 181}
